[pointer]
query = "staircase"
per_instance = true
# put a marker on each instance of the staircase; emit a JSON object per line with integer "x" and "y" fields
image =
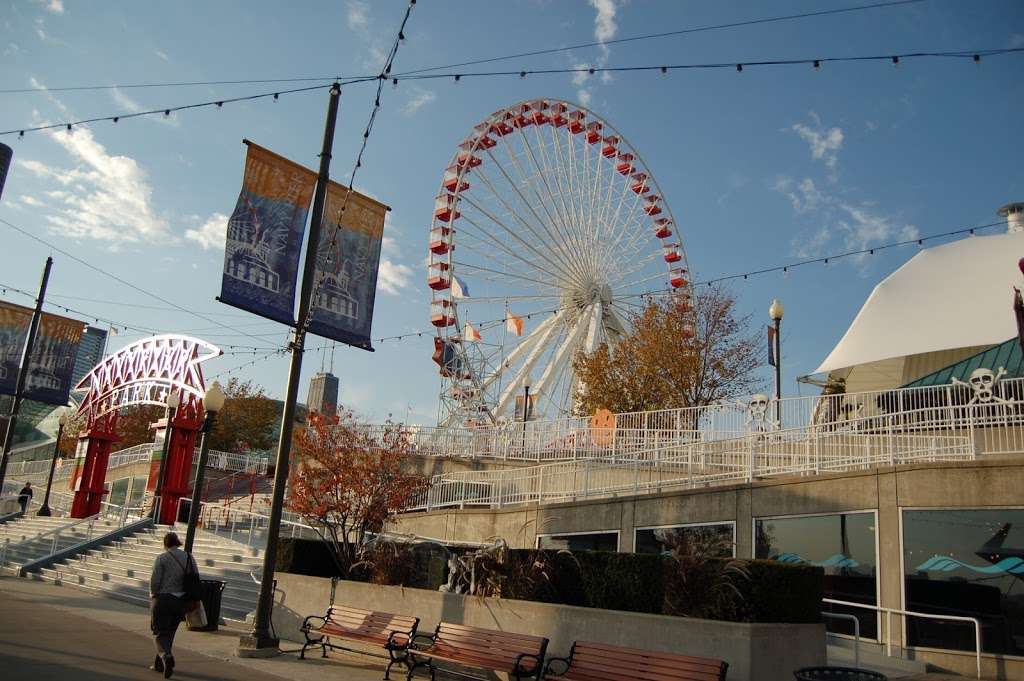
{"x": 32, "y": 537}
{"x": 122, "y": 568}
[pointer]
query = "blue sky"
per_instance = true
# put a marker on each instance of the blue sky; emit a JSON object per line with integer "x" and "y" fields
{"x": 761, "y": 167}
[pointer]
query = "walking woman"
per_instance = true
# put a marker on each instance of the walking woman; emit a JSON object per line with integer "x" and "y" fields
{"x": 166, "y": 589}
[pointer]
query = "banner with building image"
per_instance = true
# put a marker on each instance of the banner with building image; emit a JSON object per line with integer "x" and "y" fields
{"x": 345, "y": 284}
{"x": 264, "y": 235}
{"x": 53, "y": 354}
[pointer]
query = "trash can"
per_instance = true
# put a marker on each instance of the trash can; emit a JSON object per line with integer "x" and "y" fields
{"x": 837, "y": 674}
{"x": 213, "y": 589}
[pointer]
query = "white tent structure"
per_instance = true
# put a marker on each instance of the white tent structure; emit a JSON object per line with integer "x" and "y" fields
{"x": 944, "y": 304}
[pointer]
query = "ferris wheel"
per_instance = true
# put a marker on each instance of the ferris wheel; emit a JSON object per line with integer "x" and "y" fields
{"x": 547, "y": 231}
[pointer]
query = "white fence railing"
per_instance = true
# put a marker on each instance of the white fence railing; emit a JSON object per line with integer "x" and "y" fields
{"x": 689, "y": 464}
{"x": 996, "y": 407}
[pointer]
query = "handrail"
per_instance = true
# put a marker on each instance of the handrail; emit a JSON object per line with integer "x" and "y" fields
{"x": 856, "y": 632}
{"x": 910, "y": 613}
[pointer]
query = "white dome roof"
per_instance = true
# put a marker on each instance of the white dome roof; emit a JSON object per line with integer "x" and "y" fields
{"x": 956, "y": 295}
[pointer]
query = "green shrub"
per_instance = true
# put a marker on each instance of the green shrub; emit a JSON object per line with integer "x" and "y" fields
{"x": 782, "y": 592}
{"x": 305, "y": 557}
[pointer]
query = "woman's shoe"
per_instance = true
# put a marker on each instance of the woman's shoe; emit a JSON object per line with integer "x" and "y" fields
{"x": 158, "y": 664}
{"x": 168, "y": 666}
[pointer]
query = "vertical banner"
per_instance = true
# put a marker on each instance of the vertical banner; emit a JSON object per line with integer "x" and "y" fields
{"x": 264, "y": 235}
{"x": 345, "y": 284}
{"x": 6, "y": 154}
{"x": 772, "y": 359}
{"x": 53, "y": 354}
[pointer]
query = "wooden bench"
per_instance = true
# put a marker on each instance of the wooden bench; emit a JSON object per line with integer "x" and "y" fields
{"x": 601, "y": 662}
{"x": 518, "y": 655}
{"x": 393, "y": 632}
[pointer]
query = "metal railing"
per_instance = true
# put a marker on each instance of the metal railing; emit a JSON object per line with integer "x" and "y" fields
{"x": 856, "y": 633}
{"x": 799, "y": 451}
{"x": 246, "y": 526}
{"x": 889, "y": 612}
{"x": 995, "y": 419}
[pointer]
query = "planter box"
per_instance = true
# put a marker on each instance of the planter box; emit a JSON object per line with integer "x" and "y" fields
{"x": 773, "y": 650}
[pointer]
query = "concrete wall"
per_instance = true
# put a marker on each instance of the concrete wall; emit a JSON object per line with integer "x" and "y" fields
{"x": 992, "y": 482}
{"x": 773, "y": 650}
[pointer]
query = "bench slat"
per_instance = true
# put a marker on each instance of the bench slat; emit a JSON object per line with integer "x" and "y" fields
{"x": 477, "y": 659}
{"x": 659, "y": 665}
{"x": 462, "y": 630}
{"x": 600, "y": 662}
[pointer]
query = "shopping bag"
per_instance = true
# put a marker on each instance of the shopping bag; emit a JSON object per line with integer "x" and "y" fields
{"x": 196, "y": 617}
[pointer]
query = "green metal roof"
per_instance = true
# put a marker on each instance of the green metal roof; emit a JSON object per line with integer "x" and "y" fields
{"x": 1006, "y": 355}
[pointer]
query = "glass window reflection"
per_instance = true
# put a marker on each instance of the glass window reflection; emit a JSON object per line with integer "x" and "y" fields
{"x": 843, "y": 544}
{"x": 661, "y": 539}
{"x": 968, "y": 563}
{"x": 591, "y": 541}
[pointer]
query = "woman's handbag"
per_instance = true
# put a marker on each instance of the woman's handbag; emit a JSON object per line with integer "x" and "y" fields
{"x": 191, "y": 584}
{"x": 196, "y": 617}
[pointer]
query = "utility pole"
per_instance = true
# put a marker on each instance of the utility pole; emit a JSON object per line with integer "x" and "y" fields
{"x": 26, "y": 357}
{"x": 260, "y": 642}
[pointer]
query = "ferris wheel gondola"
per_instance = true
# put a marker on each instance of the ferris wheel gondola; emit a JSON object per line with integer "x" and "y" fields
{"x": 547, "y": 230}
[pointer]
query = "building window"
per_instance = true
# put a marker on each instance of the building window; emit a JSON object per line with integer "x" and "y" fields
{"x": 580, "y": 541}
{"x": 661, "y": 539}
{"x": 968, "y": 563}
{"x": 843, "y": 544}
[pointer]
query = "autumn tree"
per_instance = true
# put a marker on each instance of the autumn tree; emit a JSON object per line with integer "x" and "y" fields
{"x": 349, "y": 484}
{"x": 678, "y": 354}
{"x": 135, "y": 426}
{"x": 247, "y": 421}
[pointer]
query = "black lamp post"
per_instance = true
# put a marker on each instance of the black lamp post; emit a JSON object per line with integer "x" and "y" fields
{"x": 775, "y": 311}
{"x": 172, "y": 401}
{"x": 213, "y": 401}
{"x": 61, "y": 422}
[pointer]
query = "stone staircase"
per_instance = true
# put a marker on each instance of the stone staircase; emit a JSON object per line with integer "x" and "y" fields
{"x": 121, "y": 569}
{"x": 32, "y": 537}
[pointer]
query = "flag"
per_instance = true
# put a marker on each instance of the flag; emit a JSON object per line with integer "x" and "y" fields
{"x": 348, "y": 257}
{"x": 514, "y": 325}
{"x": 53, "y": 354}
{"x": 264, "y": 235}
{"x": 471, "y": 334}
{"x": 459, "y": 288}
{"x": 772, "y": 359}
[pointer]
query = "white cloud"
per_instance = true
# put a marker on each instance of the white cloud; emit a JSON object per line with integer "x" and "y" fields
{"x": 803, "y": 195}
{"x": 53, "y": 100}
{"x": 358, "y": 15}
{"x": 392, "y": 277}
{"x": 584, "y": 97}
{"x": 419, "y": 99}
{"x": 604, "y": 23}
{"x": 52, "y": 6}
{"x": 862, "y": 228}
{"x": 30, "y": 201}
{"x": 825, "y": 144}
{"x": 104, "y": 197}
{"x": 211, "y": 233}
{"x": 162, "y": 55}
{"x": 11, "y": 49}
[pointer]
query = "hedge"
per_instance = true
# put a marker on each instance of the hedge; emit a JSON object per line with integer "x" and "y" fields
{"x": 775, "y": 592}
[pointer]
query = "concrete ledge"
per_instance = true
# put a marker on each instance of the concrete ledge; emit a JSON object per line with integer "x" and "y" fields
{"x": 754, "y": 651}
{"x": 8, "y": 517}
{"x": 95, "y": 542}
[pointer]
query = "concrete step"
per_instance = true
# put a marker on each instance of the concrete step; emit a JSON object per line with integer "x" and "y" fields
{"x": 213, "y": 542}
{"x": 238, "y": 582}
{"x": 143, "y": 563}
{"x": 872, "y": 657}
{"x": 232, "y": 597}
{"x": 204, "y": 555}
{"x": 126, "y": 593}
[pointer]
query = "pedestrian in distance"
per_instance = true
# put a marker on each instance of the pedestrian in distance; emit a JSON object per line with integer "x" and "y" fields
{"x": 167, "y": 592}
{"x": 25, "y": 496}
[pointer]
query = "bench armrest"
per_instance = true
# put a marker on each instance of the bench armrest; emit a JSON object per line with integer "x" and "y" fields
{"x": 564, "y": 661}
{"x": 527, "y": 656}
{"x": 421, "y": 641}
{"x": 305, "y": 622}
{"x": 394, "y": 644}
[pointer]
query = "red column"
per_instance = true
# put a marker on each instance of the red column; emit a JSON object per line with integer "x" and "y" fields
{"x": 178, "y": 475}
{"x": 91, "y": 471}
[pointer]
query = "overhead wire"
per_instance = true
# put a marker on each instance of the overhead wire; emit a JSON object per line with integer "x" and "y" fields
{"x": 118, "y": 279}
{"x": 486, "y": 60}
{"x": 738, "y": 65}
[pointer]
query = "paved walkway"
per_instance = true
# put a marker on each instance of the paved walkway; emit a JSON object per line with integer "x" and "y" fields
{"x": 58, "y": 633}
{"x": 65, "y": 634}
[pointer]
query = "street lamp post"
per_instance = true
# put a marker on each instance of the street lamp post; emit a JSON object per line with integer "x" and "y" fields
{"x": 775, "y": 311}
{"x": 61, "y": 422}
{"x": 213, "y": 401}
{"x": 173, "y": 401}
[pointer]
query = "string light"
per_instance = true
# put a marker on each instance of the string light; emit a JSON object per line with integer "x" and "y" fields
{"x": 974, "y": 55}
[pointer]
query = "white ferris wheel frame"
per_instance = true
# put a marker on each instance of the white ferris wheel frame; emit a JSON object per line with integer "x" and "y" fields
{"x": 471, "y": 396}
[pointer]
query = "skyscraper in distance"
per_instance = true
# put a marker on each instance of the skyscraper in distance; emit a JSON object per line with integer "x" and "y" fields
{"x": 323, "y": 393}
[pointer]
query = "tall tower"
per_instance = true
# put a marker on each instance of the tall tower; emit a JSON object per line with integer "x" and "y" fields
{"x": 323, "y": 393}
